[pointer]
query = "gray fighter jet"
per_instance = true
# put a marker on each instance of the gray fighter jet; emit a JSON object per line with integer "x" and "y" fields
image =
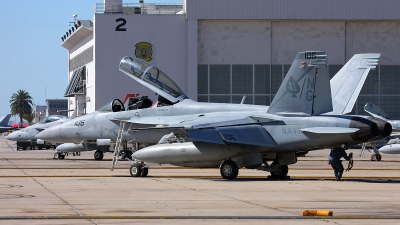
{"x": 103, "y": 126}
{"x": 300, "y": 119}
{"x": 29, "y": 133}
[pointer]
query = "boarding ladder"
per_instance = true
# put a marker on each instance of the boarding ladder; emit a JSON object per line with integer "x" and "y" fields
{"x": 117, "y": 147}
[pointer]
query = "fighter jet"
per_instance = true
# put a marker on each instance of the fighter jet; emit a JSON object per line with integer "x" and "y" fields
{"x": 300, "y": 118}
{"x": 103, "y": 126}
{"x": 29, "y": 133}
{"x": 4, "y": 123}
{"x": 392, "y": 142}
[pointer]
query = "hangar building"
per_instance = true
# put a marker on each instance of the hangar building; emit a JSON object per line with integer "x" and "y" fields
{"x": 220, "y": 50}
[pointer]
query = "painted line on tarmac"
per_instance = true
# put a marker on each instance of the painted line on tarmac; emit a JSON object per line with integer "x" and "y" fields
{"x": 203, "y": 177}
{"x": 184, "y": 168}
{"x": 353, "y": 217}
{"x": 8, "y": 146}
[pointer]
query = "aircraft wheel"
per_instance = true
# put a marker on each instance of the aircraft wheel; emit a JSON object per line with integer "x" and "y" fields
{"x": 279, "y": 171}
{"x": 145, "y": 171}
{"x": 61, "y": 156}
{"x": 135, "y": 170}
{"x": 55, "y": 156}
{"x": 378, "y": 157}
{"x": 98, "y": 155}
{"x": 373, "y": 157}
{"x": 229, "y": 170}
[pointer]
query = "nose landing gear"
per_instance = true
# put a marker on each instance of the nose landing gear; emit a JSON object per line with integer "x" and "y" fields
{"x": 138, "y": 169}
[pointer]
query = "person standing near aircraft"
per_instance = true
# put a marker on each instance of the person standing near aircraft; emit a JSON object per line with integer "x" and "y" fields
{"x": 334, "y": 160}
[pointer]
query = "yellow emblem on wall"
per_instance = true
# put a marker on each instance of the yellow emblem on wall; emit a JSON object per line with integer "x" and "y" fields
{"x": 144, "y": 51}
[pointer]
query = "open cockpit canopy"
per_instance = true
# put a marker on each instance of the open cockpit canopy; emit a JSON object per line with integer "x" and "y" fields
{"x": 373, "y": 109}
{"x": 151, "y": 77}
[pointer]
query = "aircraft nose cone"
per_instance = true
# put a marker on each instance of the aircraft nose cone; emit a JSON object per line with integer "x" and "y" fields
{"x": 13, "y": 136}
{"x": 49, "y": 134}
{"x": 390, "y": 149}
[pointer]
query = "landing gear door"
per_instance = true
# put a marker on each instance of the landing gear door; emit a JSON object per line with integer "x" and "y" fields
{"x": 117, "y": 105}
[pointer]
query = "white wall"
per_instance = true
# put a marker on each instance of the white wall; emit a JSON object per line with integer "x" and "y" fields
{"x": 234, "y": 42}
{"x": 374, "y": 36}
{"x": 167, "y": 34}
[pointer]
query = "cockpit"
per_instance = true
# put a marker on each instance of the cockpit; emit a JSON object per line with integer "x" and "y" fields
{"x": 52, "y": 118}
{"x": 153, "y": 78}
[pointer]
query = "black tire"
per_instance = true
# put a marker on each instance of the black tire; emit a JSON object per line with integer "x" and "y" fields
{"x": 145, "y": 171}
{"x": 229, "y": 170}
{"x": 280, "y": 172}
{"x": 135, "y": 170}
{"x": 61, "y": 156}
{"x": 373, "y": 157}
{"x": 24, "y": 148}
{"x": 98, "y": 155}
{"x": 378, "y": 157}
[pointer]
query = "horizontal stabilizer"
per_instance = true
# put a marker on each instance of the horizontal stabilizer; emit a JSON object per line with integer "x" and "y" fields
{"x": 330, "y": 130}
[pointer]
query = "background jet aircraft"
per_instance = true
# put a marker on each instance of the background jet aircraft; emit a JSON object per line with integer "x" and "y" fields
{"x": 293, "y": 124}
{"x": 4, "y": 123}
{"x": 98, "y": 127}
{"x": 392, "y": 145}
{"x": 29, "y": 133}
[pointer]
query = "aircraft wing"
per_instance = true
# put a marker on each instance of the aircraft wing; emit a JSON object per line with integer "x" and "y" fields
{"x": 195, "y": 121}
{"x": 216, "y": 128}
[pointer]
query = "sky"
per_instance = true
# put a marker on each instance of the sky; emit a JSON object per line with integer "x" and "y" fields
{"x": 31, "y": 55}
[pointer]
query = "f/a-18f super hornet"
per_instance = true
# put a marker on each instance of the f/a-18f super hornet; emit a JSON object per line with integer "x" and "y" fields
{"x": 29, "y": 133}
{"x": 300, "y": 118}
{"x": 103, "y": 127}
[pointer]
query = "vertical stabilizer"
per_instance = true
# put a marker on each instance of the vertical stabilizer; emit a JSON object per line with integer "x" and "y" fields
{"x": 305, "y": 91}
{"x": 5, "y": 120}
{"x": 347, "y": 83}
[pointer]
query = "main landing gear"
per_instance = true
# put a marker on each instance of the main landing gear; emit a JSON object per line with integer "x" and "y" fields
{"x": 98, "y": 155}
{"x": 229, "y": 170}
{"x": 138, "y": 169}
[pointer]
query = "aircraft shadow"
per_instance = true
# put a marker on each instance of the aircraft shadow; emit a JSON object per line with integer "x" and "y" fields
{"x": 361, "y": 180}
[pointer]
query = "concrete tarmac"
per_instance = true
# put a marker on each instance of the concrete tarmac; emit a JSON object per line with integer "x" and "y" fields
{"x": 36, "y": 189}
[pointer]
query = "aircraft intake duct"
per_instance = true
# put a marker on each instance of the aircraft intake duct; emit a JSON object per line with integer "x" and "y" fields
{"x": 369, "y": 128}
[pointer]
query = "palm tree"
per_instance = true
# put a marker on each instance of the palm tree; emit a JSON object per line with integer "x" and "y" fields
{"x": 21, "y": 103}
{"x": 29, "y": 116}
